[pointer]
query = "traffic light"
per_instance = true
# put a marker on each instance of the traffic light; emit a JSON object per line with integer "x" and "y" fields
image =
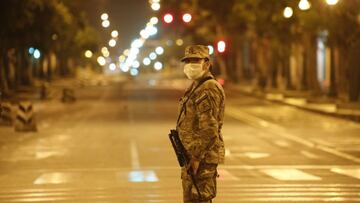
{"x": 168, "y": 18}
{"x": 221, "y": 46}
{"x": 187, "y": 17}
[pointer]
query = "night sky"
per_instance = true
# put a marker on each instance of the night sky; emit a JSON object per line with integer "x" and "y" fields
{"x": 126, "y": 16}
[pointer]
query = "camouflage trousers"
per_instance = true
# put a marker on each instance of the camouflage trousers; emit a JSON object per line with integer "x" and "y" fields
{"x": 206, "y": 182}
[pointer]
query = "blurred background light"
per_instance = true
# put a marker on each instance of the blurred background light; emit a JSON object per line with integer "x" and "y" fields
{"x": 159, "y": 50}
{"x": 112, "y": 43}
{"x": 101, "y": 60}
{"x": 114, "y": 33}
{"x": 187, "y": 18}
{"x": 332, "y": 2}
{"x": 152, "y": 56}
{"x": 31, "y": 50}
{"x": 146, "y": 61}
{"x": 168, "y": 18}
{"x": 155, "y": 6}
{"x": 112, "y": 67}
{"x": 158, "y": 65}
{"x": 304, "y": 5}
{"x": 179, "y": 42}
{"x": 88, "y": 54}
{"x": 105, "y": 23}
{"x": 211, "y": 49}
{"x": 134, "y": 72}
{"x": 37, "y": 53}
{"x": 104, "y": 16}
{"x": 136, "y": 64}
{"x": 288, "y": 12}
{"x": 154, "y": 20}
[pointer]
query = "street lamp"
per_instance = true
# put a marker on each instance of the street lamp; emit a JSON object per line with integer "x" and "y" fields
{"x": 158, "y": 65}
{"x": 304, "y": 5}
{"x": 179, "y": 42}
{"x": 159, "y": 50}
{"x": 221, "y": 46}
{"x": 114, "y": 33}
{"x": 112, "y": 43}
{"x": 155, "y": 6}
{"x": 105, "y": 23}
{"x": 168, "y": 18}
{"x": 332, "y": 2}
{"x": 104, "y": 16}
{"x": 88, "y": 54}
{"x": 101, "y": 60}
{"x": 187, "y": 17}
{"x": 288, "y": 12}
{"x": 154, "y": 20}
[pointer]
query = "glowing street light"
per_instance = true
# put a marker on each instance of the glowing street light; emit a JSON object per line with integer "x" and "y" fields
{"x": 114, "y": 33}
{"x": 288, "y": 12}
{"x": 304, "y": 5}
{"x": 88, "y": 54}
{"x": 31, "y": 50}
{"x": 159, "y": 50}
{"x": 155, "y": 6}
{"x": 136, "y": 64}
{"x": 221, "y": 45}
{"x": 152, "y": 56}
{"x": 37, "y": 54}
{"x": 168, "y": 18}
{"x": 104, "y": 16}
{"x": 211, "y": 49}
{"x": 101, "y": 60}
{"x": 122, "y": 58}
{"x": 179, "y": 42}
{"x": 332, "y": 2}
{"x": 158, "y": 65}
{"x": 146, "y": 61}
{"x": 187, "y": 17}
{"x": 112, "y": 43}
{"x": 112, "y": 67}
{"x": 154, "y": 20}
{"x": 105, "y": 23}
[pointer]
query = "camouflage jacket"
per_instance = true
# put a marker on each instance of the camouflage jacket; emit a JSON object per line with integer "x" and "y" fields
{"x": 200, "y": 123}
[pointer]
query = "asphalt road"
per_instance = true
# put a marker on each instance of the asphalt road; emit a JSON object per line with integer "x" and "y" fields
{"x": 112, "y": 146}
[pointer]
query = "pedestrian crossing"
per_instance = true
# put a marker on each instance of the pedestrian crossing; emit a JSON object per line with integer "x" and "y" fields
{"x": 242, "y": 184}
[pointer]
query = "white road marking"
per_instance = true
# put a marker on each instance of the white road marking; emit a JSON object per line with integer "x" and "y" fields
{"x": 282, "y": 143}
{"x": 281, "y": 131}
{"x": 142, "y": 176}
{"x": 227, "y": 153}
{"x": 226, "y": 175}
{"x": 309, "y": 154}
{"x": 135, "y": 163}
{"x": 289, "y": 174}
{"x": 355, "y": 173}
{"x": 52, "y": 178}
{"x": 252, "y": 155}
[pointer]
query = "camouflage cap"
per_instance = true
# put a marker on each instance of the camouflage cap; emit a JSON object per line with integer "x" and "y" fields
{"x": 196, "y": 51}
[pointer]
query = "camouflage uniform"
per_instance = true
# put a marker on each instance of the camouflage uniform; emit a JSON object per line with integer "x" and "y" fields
{"x": 199, "y": 128}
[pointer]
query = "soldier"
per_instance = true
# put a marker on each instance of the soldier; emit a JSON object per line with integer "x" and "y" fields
{"x": 199, "y": 126}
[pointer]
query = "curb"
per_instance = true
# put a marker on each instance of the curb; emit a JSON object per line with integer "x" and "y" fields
{"x": 329, "y": 109}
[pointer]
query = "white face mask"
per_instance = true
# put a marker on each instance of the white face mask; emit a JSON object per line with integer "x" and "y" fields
{"x": 194, "y": 70}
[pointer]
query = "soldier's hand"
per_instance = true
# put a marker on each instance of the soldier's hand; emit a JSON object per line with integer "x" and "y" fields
{"x": 194, "y": 165}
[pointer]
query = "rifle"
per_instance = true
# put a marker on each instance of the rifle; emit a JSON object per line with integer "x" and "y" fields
{"x": 182, "y": 156}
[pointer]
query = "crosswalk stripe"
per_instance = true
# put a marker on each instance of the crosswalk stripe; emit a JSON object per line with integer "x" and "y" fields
{"x": 355, "y": 173}
{"x": 289, "y": 174}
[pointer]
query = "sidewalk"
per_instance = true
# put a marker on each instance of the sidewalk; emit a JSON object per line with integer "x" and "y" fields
{"x": 303, "y": 100}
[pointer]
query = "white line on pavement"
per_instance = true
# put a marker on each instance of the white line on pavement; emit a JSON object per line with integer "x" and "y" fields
{"x": 281, "y": 131}
{"x": 135, "y": 163}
